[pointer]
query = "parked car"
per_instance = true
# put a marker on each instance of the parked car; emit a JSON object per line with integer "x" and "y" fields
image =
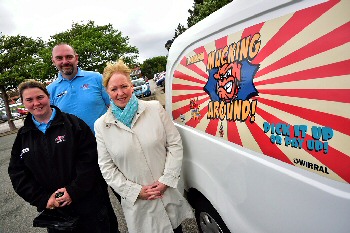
{"x": 22, "y": 111}
{"x": 157, "y": 76}
{"x": 141, "y": 88}
{"x": 15, "y": 115}
{"x": 161, "y": 80}
{"x": 134, "y": 77}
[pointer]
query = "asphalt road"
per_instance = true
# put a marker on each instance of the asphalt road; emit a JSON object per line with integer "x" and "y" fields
{"x": 16, "y": 215}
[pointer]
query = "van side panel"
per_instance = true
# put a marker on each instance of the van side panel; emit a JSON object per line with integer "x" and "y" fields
{"x": 263, "y": 109}
{"x": 255, "y": 193}
{"x": 280, "y": 88}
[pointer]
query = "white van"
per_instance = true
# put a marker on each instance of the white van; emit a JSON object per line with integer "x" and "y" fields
{"x": 260, "y": 92}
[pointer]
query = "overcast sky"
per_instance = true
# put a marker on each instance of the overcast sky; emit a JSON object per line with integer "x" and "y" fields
{"x": 147, "y": 23}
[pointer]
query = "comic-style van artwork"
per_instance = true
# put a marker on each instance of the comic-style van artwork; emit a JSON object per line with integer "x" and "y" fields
{"x": 260, "y": 93}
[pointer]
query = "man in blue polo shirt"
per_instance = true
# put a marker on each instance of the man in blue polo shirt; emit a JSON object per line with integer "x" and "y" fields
{"x": 80, "y": 93}
{"x": 77, "y": 91}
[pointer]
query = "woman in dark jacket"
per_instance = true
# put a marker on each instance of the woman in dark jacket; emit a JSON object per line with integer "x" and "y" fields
{"x": 55, "y": 152}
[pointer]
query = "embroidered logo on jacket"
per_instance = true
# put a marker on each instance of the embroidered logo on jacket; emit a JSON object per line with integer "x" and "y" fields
{"x": 25, "y": 150}
{"x": 60, "y": 139}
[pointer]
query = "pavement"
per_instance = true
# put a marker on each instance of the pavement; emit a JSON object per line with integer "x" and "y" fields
{"x": 5, "y": 128}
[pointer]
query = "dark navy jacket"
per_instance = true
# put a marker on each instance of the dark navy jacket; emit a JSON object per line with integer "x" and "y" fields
{"x": 65, "y": 156}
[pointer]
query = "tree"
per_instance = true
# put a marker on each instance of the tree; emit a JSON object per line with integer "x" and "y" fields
{"x": 22, "y": 57}
{"x": 193, "y": 12}
{"x": 201, "y": 9}
{"x": 153, "y": 65}
{"x": 96, "y": 45}
{"x": 168, "y": 44}
{"x": 19, "y": 58}
{"x": 179, "y": 30}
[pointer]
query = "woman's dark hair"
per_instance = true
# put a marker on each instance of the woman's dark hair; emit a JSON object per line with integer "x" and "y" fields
{"x": 31, "y": 83}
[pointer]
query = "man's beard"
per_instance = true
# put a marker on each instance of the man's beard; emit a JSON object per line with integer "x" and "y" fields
{"x": 67, "y": 71}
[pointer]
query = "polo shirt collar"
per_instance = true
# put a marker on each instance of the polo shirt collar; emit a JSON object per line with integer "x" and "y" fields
{"x": 43, "y": 126}
{"x": 79, "y": 74}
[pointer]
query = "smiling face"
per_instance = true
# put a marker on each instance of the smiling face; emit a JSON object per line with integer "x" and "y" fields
{"x": 65, "y": 60}
{"x": 120, "y": 89}
{"x": 37, "y": 103}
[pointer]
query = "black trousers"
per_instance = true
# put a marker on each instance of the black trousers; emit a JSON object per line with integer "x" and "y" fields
{"x": 178, "y": 229}
{"x": 113, "y": 222}
{"x": 116, "y": 194}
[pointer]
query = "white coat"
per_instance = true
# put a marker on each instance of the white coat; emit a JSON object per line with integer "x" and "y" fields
{"x": 129, "y": 158}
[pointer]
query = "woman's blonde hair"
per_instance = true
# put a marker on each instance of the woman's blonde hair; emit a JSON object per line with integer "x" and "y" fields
{"x": 115, "y": 67}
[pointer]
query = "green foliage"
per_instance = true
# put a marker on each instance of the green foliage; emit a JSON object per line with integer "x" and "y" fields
{"x": 179, "y": 30}
{"x": 203, "y": 8}
{"x": 96, "y": 45}
{"x": 19, "y": 59}
{"x": 22, "y": 58}
{"x": 153, "y": 65}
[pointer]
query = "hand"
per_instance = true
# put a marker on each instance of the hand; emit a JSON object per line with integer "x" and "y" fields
{"x": 157, "y": 186}
{"x": 52, "y": 203}
{"x": 65, "y": 199}
{"x": 153, "y": 191}
{"x": 145, "y": 194}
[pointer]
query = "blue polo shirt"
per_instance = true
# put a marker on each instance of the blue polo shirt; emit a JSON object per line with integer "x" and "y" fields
{"x": 84, "y": 96}
{"x": 42, "y": 126}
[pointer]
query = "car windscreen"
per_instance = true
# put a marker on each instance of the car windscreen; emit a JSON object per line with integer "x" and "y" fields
{"x": 137, "y": 83}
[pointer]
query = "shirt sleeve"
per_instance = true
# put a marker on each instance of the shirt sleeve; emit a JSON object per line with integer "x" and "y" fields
{"x": 174, "y": 155}
{"x": 104, "y": 93}
{"x": 105, "y": 96}
{"x": 52, "y": 94}
{"x": 127, "y": 189}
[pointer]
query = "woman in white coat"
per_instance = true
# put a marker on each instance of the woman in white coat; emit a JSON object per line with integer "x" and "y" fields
{"x": 140, "y": 157}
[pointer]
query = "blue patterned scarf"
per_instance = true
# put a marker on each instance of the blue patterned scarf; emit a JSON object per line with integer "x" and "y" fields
{"x": 127, "y": 114}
